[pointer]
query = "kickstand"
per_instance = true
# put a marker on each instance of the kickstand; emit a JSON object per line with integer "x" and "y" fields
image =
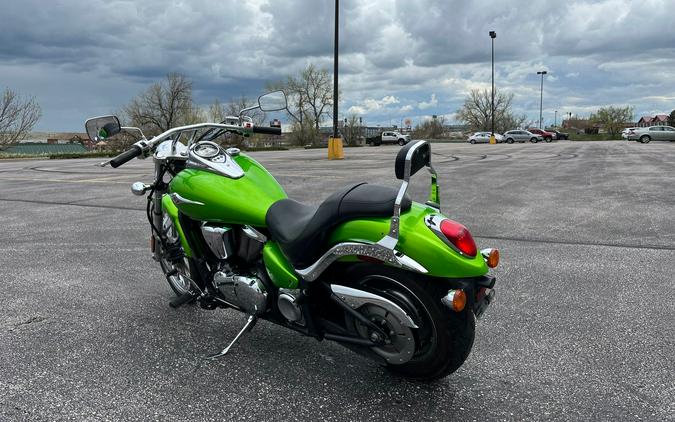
{"x": 249, "y": 325}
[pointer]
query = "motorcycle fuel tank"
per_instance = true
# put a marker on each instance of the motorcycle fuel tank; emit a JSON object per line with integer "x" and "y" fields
{"x": 217, "y": 198}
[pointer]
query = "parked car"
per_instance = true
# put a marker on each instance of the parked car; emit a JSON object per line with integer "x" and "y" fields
{"x": 484, "y": 138}
{"x": 548, "y": 136}
{"x": 626, "y": 132}
{"x": 389, "y": 137}
{"x": 655, "y": 133}
{"x": 559, "y": 135}
{"x": 521, "y": 136}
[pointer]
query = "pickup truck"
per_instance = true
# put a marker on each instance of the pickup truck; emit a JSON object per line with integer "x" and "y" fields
{"x": 388, "y": 137}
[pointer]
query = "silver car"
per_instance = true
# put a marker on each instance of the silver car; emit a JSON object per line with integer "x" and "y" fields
{"x": 521, "y": 136}
{"x": 484, "y": 138}
{"x": 652, "y": 133}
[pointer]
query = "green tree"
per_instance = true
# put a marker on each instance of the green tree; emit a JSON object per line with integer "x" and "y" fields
{"x": 671, "y": 118}
{"x": 613, "y": 119}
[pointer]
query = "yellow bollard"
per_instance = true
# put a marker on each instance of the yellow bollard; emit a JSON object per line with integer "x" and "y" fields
{"x": 335, "y": 151}
{"x": 493, "y": 140}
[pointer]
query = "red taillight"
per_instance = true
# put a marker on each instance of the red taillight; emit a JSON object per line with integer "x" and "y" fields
{"x": 459, "y": 236}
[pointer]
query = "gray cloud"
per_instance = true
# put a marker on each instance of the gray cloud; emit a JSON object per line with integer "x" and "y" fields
{"x": 81, "y": 58}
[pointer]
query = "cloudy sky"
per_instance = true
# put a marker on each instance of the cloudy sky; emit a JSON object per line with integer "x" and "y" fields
{"x": 399, "y": 58}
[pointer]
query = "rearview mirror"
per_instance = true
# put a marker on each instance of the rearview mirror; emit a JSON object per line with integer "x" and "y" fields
{"x": 272, "y": 101}
{"x": 411, "y": 158}
{"x": 100, "y": 128}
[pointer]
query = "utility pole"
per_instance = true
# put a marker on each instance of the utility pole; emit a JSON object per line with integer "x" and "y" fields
{"x": 493, "y": 35}
{"x": 541, "y": 96}
{"x": 555, "y": 119}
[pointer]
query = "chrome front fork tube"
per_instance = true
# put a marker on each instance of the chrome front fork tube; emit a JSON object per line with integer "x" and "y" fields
{"x": 157, "y": 208}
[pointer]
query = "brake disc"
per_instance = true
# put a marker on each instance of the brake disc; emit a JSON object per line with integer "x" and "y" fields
{"x": 399, "y": 345}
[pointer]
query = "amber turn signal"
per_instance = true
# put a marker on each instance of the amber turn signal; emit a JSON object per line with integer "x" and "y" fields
{"x": 492, "y": 259}
{"x": 455, "y": 300}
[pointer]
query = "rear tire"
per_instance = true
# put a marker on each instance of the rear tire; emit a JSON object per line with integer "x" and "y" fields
{"x": 443, "y": 339}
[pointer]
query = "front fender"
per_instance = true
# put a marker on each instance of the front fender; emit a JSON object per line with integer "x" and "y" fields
{"x": 416, "y": 240}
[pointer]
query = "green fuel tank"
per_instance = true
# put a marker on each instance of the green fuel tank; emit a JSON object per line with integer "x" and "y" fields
{"x": 218, "y": 198}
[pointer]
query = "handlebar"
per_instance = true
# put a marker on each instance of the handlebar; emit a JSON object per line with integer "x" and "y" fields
{"x": 130, "y": 154}
{"x": 267, "y": 130}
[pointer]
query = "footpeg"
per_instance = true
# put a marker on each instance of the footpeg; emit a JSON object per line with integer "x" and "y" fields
{"x": 252, "y": 319}
{"x": 181, "y": 300}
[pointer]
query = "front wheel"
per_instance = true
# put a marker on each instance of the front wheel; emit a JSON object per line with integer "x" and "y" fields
{"x": 442, "y": 340}
{"x": 401, "y": 141}
{"x": 473, "y": 141}
{"x": 510, "y": 141}
{"x": 533, "y": 140}
{"x": 645, "y": 139}
{"x": 549, "y": 139}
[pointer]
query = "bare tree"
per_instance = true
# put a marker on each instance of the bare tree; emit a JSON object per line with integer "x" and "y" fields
{"x": 476, "y": 112}
{"x": 310, "y": 99}
{"x": 352, "y": 130}
{"x": 164, "y": 105}
{"x": 236, "y": 104}
{"x": 216, "y": 112}
{"x": 18, "y": 115}
{"x": 432, "y": 128}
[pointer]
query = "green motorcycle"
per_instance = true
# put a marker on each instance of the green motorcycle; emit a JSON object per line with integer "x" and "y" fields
{"x": 387, "y": 277}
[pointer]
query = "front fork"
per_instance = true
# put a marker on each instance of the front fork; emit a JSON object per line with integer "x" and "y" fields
{"x": 160, "y": 189}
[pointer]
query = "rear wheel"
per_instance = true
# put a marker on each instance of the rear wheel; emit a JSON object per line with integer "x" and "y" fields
{"x": 442, "y": 340}
{"x": 549, "y": 139}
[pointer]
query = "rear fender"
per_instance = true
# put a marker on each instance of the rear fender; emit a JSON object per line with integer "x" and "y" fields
{"x": 416, "y": 241}
{"x": 170, "y": 208}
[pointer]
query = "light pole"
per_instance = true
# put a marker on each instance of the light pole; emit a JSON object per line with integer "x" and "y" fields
{"x": 555, "y": 118}
{"x": 541, "y": 94}
{"x": 493, "y": 35}
{"x": 334, "y": 143}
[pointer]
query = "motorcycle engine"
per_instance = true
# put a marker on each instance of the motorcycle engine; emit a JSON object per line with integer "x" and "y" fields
{"x": 245, "y": 292}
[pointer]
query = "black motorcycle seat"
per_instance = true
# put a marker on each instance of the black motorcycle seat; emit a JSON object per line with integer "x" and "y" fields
{"x": 301, "y": 230}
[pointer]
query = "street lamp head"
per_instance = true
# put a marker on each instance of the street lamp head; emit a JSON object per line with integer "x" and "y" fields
{"x": 542, "y": 72}
{"x": 493, "y": 34}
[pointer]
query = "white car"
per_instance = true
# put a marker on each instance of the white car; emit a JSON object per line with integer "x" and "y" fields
{"x": 484, "y": 138}
{"x": 627, "y": 131}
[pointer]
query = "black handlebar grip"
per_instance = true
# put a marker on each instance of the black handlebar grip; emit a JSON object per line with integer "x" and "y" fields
{"x": 267, "y": 130}
{"x": 135, "y": 151}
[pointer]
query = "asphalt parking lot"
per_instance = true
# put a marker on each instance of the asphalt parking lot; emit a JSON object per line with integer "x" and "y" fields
{"x": 583, "y": 326}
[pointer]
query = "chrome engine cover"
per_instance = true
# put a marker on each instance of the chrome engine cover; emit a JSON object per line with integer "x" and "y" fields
{"x": 246, "y": 292}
